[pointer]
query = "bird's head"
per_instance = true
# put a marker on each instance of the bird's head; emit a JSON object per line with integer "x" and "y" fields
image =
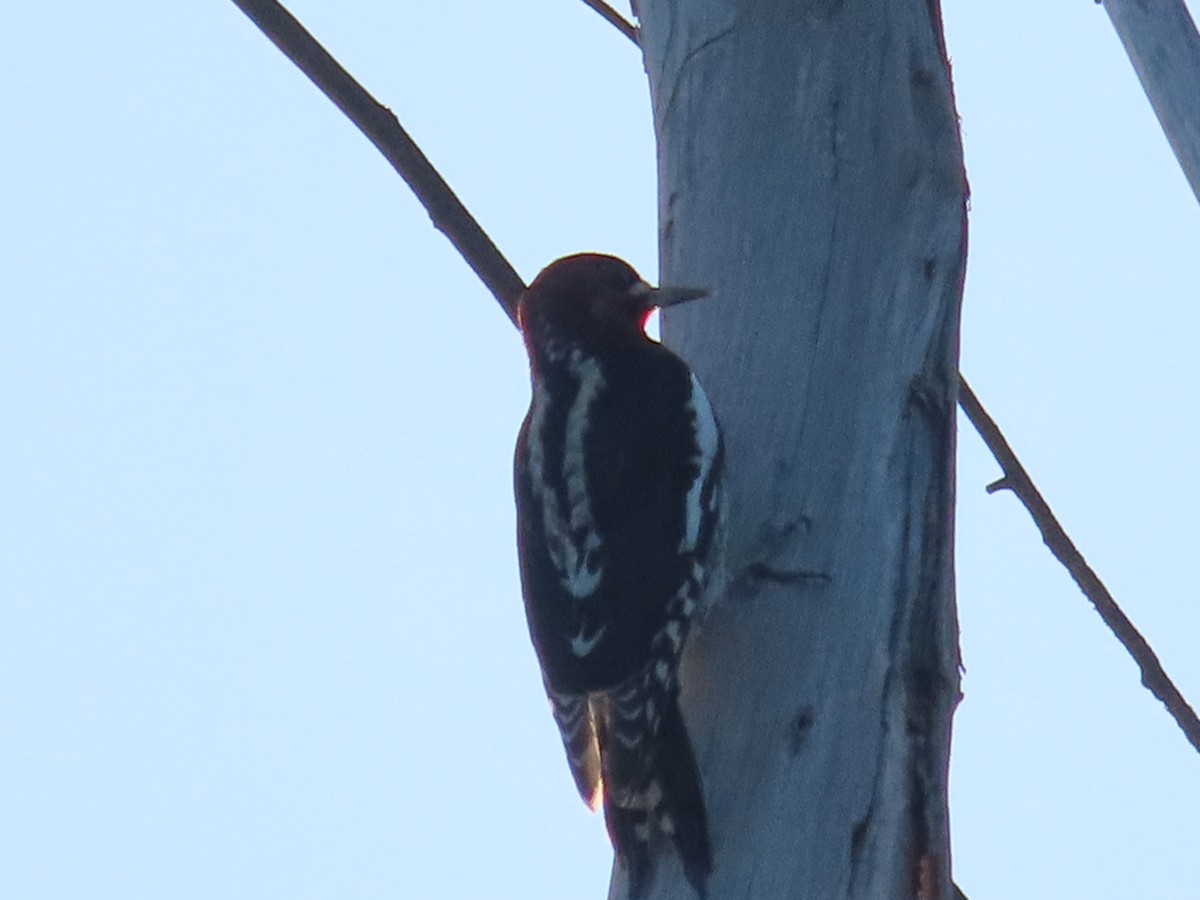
{"x": 590, "y": 298}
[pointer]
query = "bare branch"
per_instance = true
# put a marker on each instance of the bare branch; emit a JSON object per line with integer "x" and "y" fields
{"x": 1164, "y": 47}
{"x": 1017, "y": 480}
{"x": 381, "y": 126}
{"x": 618, "y": 21}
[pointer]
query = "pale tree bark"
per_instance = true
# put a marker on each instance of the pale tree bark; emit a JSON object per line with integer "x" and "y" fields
{"x": 1164, "y": 47}
{"x": 811, "y": 177}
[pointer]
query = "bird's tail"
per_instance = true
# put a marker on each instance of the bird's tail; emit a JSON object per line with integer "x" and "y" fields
{"x": 652, "y": 787}
{"x": 573, "y": 713}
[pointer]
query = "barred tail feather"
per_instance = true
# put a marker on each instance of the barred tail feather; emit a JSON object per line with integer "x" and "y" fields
{"x": 629, "y": 831}
{"x": 652, "y": 786}
{"x": 682, "y": 813}
{"x": 576, "y": 724}
{"x": 627, "y": 725}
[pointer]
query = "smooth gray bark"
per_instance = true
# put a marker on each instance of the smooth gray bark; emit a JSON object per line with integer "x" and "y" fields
{"x": 811, "y": 177}
{"x": 1161, "y": 40}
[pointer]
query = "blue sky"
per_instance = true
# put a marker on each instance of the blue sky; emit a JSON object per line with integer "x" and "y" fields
{"x": 260, "y": 627}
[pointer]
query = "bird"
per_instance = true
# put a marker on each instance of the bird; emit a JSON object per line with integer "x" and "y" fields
{"x": 617, "y": 476}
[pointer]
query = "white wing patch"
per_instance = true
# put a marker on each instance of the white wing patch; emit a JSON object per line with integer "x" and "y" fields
{"x": 582, "y": 645}
{"x": 571, "y": 537}
{"x": 708, "y": 441}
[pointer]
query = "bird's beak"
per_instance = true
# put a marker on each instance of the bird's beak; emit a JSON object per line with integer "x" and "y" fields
{"x": 663, "y": 297}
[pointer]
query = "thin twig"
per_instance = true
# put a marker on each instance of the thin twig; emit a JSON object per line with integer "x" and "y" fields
{"x": 380, "y": 125}
{"x": 1017, "y": 480}
{"x": 618, "y": 21}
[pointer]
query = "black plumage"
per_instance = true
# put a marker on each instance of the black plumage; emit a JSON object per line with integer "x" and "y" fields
{"x": 618, "y": 468}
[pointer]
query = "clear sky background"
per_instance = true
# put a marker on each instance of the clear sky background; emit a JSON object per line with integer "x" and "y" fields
{"x": 260, "y": 625}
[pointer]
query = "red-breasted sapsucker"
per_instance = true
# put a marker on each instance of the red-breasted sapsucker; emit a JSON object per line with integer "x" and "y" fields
{"x": 618, "y": 469}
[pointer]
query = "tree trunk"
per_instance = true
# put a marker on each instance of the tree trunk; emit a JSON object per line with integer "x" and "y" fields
{"x": 810, "y": 175}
